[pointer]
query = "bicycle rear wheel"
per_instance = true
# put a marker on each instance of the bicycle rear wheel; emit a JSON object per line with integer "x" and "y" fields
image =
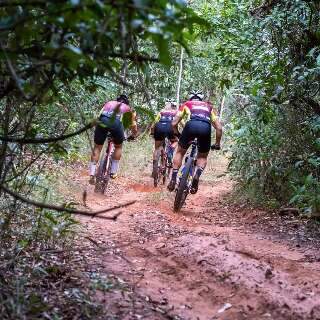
{"x": 156, "y": 175}
{"x": 166, "y": 171}
{"x": 103, "y": 175}
{"x": 164, "y": 175}
{"x": 160, "y": 171}
{"x": 183, "y": 188}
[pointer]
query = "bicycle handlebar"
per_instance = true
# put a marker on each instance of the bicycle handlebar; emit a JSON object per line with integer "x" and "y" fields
{"x": 131, "y": 138}
{"x": 215, "y": 147}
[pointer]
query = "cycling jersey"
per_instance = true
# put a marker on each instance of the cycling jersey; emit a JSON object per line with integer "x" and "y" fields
{"x": 163, "y": 127}
{"x": 198, "y": 110}
{"x": 121, "y": 111}
{"x": 114, "y": 118}
{"x": 199, "y": 115}
{"x": 166, "y": 116}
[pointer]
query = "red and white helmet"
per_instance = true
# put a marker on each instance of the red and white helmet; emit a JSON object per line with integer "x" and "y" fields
{"x": 196, "y": 95}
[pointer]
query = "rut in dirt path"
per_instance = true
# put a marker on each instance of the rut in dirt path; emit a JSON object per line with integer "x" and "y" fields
{"x": 193, "y": 266}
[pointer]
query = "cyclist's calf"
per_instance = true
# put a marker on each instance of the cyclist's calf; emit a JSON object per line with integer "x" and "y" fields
{"x": 96, "y": 153}
{"x": 117, "y": 152}
{"x": 202, "y": 159}
{"x": 177, "y": 160}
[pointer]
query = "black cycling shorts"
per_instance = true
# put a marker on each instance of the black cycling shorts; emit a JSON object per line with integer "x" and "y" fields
{"x": 196, "y": 129}
{"x": 163, "y": 130}
{"x": 112, "y": 126}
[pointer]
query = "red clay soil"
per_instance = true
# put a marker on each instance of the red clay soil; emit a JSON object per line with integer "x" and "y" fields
{"x": 201, "y": 263}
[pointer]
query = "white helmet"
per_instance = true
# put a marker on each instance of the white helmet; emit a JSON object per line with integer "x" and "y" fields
{"x": 196, "y": 95}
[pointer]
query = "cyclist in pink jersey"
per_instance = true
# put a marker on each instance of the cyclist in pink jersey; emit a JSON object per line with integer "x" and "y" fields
{"x": 111, "y": 120}
{"x": 162, "y": 129}
{"x": 200, "y": 117}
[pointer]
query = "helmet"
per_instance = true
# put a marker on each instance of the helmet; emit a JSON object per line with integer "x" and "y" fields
{"x": 173, "y": 106}
{"x": 123, "y": 98}
{"x": 171, "y": 103}
{"x": 196, "y": 95}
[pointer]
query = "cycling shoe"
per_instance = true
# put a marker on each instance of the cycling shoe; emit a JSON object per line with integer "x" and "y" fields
{"x": 171, "y": 186}
{"x": 194, "y": 186}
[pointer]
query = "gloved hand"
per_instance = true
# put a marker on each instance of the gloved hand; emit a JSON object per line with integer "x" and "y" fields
{"x": 131, "y": 138}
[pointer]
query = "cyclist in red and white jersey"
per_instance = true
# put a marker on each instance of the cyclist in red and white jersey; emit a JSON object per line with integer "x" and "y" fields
{"x": 113, "y": 116}
{"x": 200, "y": 117}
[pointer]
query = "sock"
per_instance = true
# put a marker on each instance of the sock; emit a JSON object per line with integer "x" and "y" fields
{"x": 92, "y": 168}
{"x": 199, "y": 171}
{"x": 174, "y": 174}
{"x": 114, "y": 166}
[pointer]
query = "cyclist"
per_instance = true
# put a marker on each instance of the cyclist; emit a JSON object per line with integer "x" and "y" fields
{"x": 163, "y": 129}
{"x": 200, "y": 116}
{"x": 111, "y": 120}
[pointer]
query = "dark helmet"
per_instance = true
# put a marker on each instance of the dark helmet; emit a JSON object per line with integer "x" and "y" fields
{"x": 196, "y": 95}
{"x": 123, "y": 98}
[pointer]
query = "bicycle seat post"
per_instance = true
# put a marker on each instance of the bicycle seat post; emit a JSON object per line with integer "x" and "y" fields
{"x": 194, "y": 147}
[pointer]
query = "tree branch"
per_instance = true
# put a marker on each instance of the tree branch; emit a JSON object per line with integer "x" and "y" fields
{"x": 47, "y": 140}
{"x": 12, "y": 3}
{"x": 64, "y": 209}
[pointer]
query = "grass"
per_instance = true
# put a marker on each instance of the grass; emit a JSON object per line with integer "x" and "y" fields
{"x": 137, "y": 160}
{"x": 251, "y": 196}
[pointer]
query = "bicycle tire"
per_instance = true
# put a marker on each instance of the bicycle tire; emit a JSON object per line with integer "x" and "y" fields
{"x": 167, "y": 171}
{"x": 156, "y": 176}
{"x": 160, "y": 172}
{"x": 103, "y": 175}
{"x": 164, "y": 168}
{"x": 182, "y": 191}
{"x": 164, "y": 175}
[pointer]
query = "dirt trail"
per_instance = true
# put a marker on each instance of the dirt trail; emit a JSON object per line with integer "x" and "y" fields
{"x": 200, "y": 263}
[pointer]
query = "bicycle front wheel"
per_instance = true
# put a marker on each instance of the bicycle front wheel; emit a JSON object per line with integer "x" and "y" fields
{"x": 183, "y": 188}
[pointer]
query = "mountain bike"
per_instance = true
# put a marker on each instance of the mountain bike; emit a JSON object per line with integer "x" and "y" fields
{"x": 164, "y": 163}
{"x": 186, "y": 176}
{"x": 104, "y": 169}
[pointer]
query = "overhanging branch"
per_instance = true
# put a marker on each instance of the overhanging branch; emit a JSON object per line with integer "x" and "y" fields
{"x": 64, "y": 209}
{"x": 47, "y": 140}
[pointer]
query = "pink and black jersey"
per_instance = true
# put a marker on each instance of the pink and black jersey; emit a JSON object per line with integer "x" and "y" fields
{"x": 115, "y": 108}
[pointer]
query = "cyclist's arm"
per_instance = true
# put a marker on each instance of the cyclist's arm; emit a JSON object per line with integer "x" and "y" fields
{"x": 177, "y": 119}
{"x": 217, "y": 125}
{"x": 181, "y": 114}
{"x": 100, "y": 113}
{"x": 156, "y": 120}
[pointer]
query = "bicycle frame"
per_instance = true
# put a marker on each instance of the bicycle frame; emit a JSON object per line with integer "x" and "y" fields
{"x": 164, "y": 167}
{"x": 109, "y": 151}
{"x": 186, "y": 176}
{"x": 192, "y": 155}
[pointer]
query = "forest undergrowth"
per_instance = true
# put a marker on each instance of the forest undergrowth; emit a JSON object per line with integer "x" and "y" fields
{"x": 257, "y": 61}
{"x": 44, "y": 271}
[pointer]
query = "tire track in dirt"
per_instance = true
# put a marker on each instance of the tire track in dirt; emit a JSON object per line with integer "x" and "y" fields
{"x": 190, "y": 266}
